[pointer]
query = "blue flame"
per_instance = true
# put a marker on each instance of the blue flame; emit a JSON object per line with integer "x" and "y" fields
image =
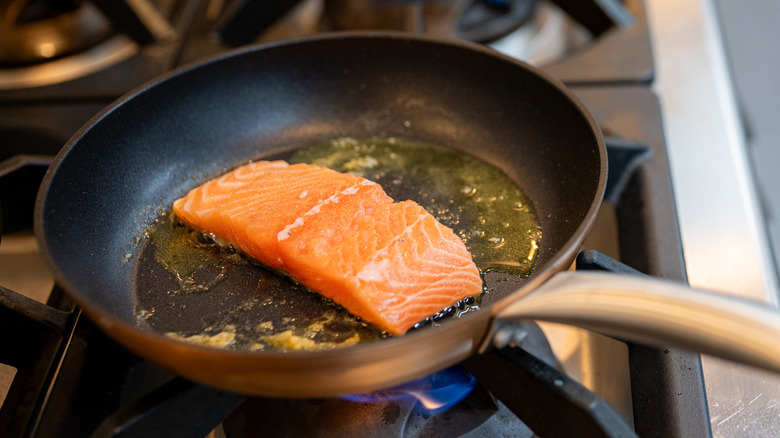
{"x": 432, "y": 394}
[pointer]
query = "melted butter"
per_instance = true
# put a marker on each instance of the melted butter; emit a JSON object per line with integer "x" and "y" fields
{"x": 478, "y": 201}
{"x": 220, "y": 340}
{"x": 175, "y": 245}
{"x": 287, "y": 340}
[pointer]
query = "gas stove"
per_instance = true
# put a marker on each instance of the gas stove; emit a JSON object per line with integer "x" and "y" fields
{"x": 67, "y": 379}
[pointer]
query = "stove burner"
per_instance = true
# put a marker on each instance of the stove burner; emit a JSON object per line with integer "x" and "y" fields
{"x": 35, "y": 31}
{"x": 107, "y": 54}
{"x": 429, "y": 395}
{"x": 49, "y": 42}
{"x": 480, "y": 21}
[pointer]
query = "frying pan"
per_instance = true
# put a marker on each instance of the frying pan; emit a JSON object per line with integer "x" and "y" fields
{"x": 132, "y": 160}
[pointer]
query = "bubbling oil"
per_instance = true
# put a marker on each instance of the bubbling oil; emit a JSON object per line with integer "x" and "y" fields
{"x": 478, "y": 201}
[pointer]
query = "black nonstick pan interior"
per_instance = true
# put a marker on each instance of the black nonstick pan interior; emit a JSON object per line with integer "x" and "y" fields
{"x": 128, "y": 164}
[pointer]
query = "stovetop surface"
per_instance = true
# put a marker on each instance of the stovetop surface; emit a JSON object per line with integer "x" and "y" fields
{"x": 21, "y": 115}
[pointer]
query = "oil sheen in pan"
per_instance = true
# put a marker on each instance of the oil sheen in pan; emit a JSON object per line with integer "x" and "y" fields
{"x": 189, "y": 280}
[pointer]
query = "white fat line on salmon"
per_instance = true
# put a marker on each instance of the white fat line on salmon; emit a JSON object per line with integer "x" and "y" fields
{"x": 285, "y": 233}
{"x": 375, "y": 271}
{"x": 250, "y": 171}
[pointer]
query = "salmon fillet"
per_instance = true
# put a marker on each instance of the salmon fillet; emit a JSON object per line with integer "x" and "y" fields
{"x": 392, "y": 264}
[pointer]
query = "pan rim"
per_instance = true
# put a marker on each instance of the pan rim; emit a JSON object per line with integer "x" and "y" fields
{"x": 557, "y": 262}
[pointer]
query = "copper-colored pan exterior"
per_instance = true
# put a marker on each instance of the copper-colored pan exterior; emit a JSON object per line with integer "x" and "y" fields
{"x": 137, "y": 156}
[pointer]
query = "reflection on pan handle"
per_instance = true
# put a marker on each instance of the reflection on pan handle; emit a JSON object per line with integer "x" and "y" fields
{"x": 657, "y": 312}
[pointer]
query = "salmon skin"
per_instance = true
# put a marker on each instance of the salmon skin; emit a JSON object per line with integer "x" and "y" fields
{"x": 390, "y": 263}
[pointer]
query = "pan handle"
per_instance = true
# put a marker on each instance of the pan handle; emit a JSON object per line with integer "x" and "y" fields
{"x": 657, "y": 312}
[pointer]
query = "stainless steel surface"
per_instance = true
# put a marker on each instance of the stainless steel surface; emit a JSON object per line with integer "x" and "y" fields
{"x": 7, "y": 374}
{"x": 750, "y": 36}
{"x": 22, "y": 268}
{"x": 598, "y": 362}
{"x": 721, "y": 227}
